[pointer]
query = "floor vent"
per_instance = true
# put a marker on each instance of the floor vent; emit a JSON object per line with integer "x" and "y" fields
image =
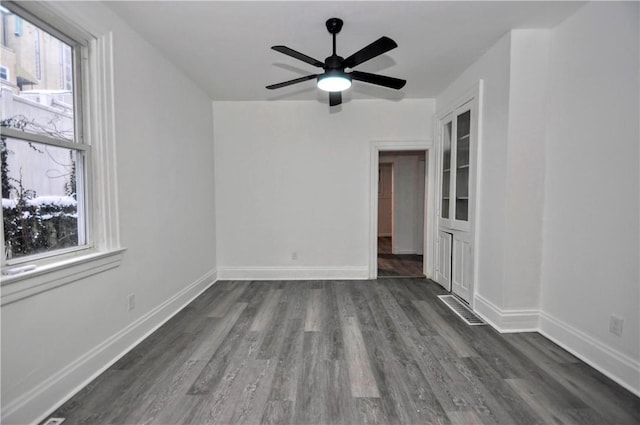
{"x": 54, "y": 421}
{"x": 461, "y": 310}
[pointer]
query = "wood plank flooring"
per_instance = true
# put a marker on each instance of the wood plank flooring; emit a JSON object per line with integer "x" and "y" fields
{"x": 333, "y": 352}
{"x": 397, "y": 265}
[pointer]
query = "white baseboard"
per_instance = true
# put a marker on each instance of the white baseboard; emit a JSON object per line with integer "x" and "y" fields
{"x": 506, "y": 321}
{"x": 610, "y": 362}
{"x": 293, "y": 273}
{"x": 39, "y": 402}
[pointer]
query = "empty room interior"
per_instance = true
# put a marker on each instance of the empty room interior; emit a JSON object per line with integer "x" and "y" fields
{"x": 320, "y": 212}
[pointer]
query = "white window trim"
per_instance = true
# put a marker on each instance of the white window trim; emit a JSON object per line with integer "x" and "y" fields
{"x": 47, "y": 277}
{"x": 105, "y": 251}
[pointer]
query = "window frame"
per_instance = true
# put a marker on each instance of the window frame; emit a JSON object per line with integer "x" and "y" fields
{"x": 79, "y": 144}
{"x": 7, "y": 73}
{"x": 94, "y": 85}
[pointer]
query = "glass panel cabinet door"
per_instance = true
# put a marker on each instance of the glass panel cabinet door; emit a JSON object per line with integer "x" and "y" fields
{"x": 463, "y": 126}
{"x": 446, "y": 169}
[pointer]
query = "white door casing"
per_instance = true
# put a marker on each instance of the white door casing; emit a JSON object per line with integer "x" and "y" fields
{"x": 429, "y": 238}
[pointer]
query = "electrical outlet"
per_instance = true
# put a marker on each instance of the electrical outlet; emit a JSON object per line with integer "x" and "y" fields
{"x": 294, "y": 256}
{"x": 132, "y": 301}
{"x": 615, "y": 324}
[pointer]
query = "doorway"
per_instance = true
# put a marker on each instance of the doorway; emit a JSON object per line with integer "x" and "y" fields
{"x": 400, "y": 224}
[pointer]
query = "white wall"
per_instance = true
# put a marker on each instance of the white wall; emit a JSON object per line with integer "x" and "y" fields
{"x": 405, "y": 204}
{"x": 525, "y": 170}
{"x": 510, "y": 175}
{"x": 294, "y": 177}
{"x": 590, "y": 238}
{"x": 55, "y": 341}
{"x": 494, "y": 69}
{"x": 559, "y": 185}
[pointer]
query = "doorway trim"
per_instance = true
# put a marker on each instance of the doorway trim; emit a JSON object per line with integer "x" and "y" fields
{"x": 429, "y": 210}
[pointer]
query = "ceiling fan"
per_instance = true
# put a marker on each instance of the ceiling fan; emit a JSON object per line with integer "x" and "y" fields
{"x": 335, "y": 79}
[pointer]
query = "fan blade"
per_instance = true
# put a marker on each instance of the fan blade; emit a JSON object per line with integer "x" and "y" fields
{"x": 300, "y": 56}
{"x": 335, "y": 98}
{"x": 380, "y": 80}
{"x": 378, "y": 47}
{"x": 288, "y": 83}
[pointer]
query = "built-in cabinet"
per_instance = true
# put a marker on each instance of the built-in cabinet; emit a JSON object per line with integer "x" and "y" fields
{"x": 457, "y": 153}
{"x": 443, "y": 258}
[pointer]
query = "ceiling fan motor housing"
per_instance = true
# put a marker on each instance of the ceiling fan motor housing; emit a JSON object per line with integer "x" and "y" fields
{"x": 333, "y": 62}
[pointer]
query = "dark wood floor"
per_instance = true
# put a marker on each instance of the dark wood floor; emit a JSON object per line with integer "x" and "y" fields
{"x": 397, "y": 265}
{"x": 356, "y": 352}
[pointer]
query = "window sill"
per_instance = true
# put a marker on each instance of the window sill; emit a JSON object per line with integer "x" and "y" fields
{"x": 46, "y": 277}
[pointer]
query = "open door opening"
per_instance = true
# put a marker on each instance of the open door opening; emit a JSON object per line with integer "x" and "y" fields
{"x": 401, "y": 212}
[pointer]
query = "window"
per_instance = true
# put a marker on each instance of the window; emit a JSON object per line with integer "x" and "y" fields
{"x": 4, "y": 73}
{"x": 55, "y": 166}
{"x": 19, "y": 26}
{"x": 44, "y": 163}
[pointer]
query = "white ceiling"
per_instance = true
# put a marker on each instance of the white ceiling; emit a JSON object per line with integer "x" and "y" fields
{"x": 224, "y": 46}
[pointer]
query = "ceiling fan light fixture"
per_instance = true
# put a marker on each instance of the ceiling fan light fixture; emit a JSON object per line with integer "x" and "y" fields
{"x": 334, "y": 81}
